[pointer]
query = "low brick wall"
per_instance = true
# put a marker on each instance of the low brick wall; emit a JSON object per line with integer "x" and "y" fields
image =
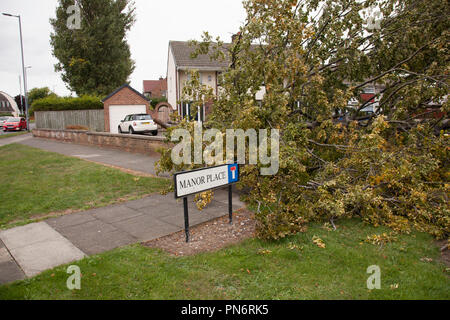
{"x": 130, "y": 143}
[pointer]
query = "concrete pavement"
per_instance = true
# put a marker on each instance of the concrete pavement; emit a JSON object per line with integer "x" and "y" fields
{"x": 9, "y": 269}
{"x": 16, "y": 139}
{"x": 37, "y": 247}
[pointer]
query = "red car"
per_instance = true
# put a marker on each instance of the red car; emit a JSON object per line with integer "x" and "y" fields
{"x": 16, "y": 124}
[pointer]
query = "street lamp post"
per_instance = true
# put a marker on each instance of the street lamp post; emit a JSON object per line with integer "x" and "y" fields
{"x": 23, "y": 68}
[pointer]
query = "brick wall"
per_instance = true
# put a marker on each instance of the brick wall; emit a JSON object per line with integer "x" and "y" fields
{"x": 125, "y": 96}
{"x": 134, "y": 144}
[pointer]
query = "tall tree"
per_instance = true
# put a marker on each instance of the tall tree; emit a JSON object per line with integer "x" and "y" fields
{"x": 94, "y": 59}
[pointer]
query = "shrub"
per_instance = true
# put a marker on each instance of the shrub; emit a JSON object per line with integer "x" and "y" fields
{"x": 67, "y": 103}
{"x": 155, "y": 101}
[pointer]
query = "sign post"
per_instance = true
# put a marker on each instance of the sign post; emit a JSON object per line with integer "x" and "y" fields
{"x": 196, "y": 181}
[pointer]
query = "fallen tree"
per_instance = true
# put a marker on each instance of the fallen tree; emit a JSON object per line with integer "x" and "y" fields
{"x": 389, "y": 167}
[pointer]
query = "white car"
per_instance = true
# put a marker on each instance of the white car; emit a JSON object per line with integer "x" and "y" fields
{"x": 138, "y": 123}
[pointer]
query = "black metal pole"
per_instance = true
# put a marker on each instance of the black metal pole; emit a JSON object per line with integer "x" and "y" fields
{"x": 230, "y": 203}
{"x": 186, "y": 218}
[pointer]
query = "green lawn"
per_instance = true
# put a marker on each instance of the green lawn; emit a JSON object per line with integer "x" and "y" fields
{"x": 294, "y": 268}
{"x": 15, "y": 134}
{"x": 36, "y": 182}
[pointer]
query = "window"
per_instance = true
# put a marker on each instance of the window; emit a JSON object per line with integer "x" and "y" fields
{"x": 140, "y": 117}
{"x": 369, "y": 89}
{"x": 209, "y": 78}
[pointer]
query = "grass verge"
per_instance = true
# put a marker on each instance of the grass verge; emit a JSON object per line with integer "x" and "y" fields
{"x": 15, "y": 134}
{"x": 36, "y": 183}
{"x": 294, "y": 268}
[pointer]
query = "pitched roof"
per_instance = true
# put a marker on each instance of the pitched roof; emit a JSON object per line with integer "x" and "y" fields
{"x": 155, "y": 86}
{"x": 182, "y": 54}
{"x": 126, "y": 85}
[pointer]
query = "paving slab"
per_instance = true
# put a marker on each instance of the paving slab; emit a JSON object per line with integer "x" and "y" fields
{"x": 115, "y": 214}
{"x": 95, "y": 243}
{"x": 146, "y": 227}
{"x": 9, "y": 270}
{"x": 154, "y": 201}
{"x": 90, "y": 233}
{"x": 37, "y": 247}
{"x": 73, "y": 219}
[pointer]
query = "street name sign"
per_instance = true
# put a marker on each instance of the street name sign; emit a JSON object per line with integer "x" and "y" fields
{"x": 192, "y": 182}
{"x": 196, "y": 181}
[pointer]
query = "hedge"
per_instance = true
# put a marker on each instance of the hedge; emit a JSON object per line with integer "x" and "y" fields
{"x": 67, "y": 103}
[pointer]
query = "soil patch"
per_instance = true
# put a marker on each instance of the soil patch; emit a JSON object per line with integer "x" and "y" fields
{"x": 209, "y": 236}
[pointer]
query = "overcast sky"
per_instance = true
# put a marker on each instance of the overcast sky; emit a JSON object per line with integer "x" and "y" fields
{"x": 158, "y": 21}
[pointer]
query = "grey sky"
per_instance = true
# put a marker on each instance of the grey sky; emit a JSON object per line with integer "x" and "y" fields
{"x": 157, "y": 23}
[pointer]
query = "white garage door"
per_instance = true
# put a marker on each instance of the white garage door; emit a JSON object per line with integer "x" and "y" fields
{"x": 118, "y": 113}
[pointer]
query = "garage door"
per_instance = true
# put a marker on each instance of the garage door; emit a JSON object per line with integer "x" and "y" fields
{"x": 118, "y": 113}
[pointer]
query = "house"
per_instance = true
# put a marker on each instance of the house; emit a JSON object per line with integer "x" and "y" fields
{"x": 179, "y": 64}
{"x": 8, "y": 105}
{"x": 371, "y": 95}
{"x": 155, "y": 88}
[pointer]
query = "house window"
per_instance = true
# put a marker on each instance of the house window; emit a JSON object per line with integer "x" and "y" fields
{"x": 369, "y": 89}
{"x": 209, "y": 78}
